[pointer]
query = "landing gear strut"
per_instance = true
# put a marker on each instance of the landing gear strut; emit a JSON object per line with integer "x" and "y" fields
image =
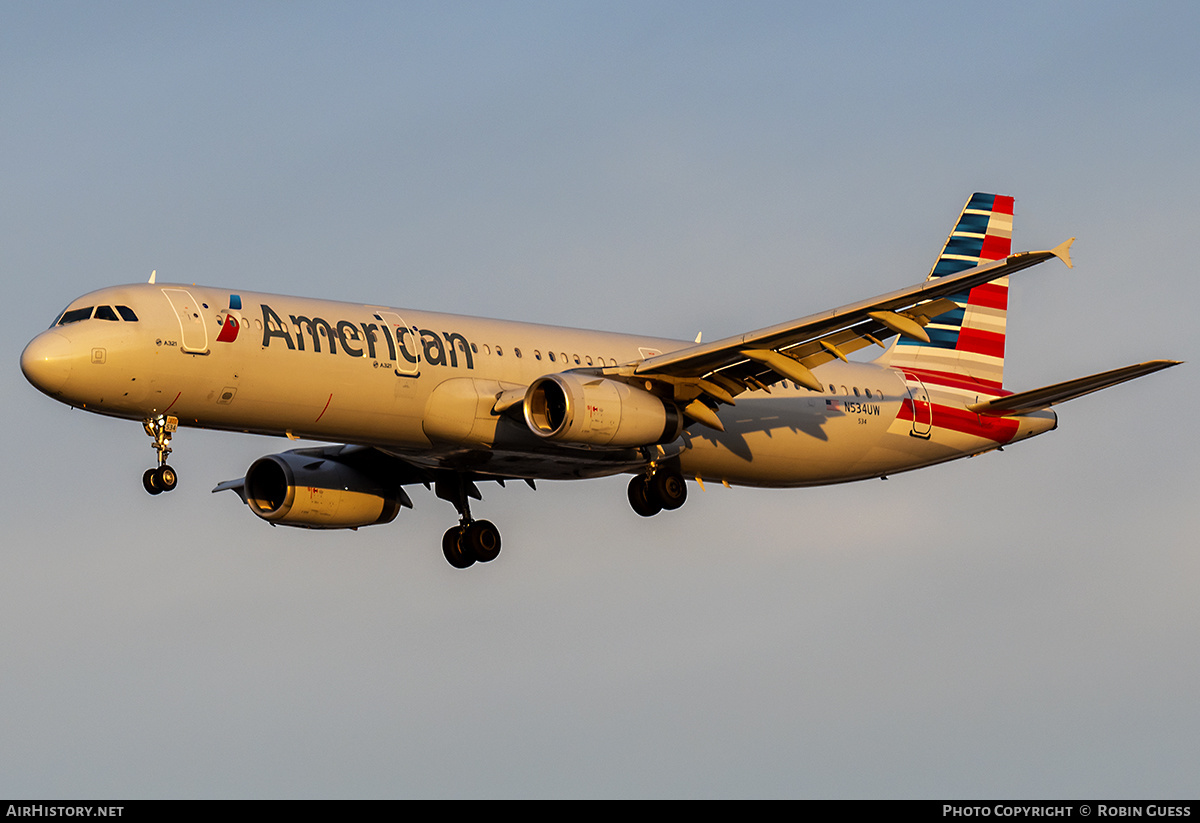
{"x": 471, "y": 540}
{"x": 163, "y": 478}
{"x": 662, "y": 488}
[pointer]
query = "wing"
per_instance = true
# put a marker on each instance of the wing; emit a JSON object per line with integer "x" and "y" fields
{"x": 707, "y": 374}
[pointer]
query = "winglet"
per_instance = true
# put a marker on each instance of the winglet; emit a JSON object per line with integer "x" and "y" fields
{"x": 1063, "y": 252}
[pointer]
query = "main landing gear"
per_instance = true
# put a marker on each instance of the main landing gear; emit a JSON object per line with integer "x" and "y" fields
{"x": 164, "y": 478}
{"x": 471, "y": 540}
{"x": 661, "y": 488}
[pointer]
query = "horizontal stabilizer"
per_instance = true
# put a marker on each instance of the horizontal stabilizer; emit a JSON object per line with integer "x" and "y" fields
{"x": 1026, "y": 402}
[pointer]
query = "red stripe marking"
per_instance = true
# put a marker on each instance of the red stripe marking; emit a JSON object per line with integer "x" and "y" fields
{"x": 1003, "y": 204}
{"x": 989, "y": 296}
{"x": 997, "y": 429}
{"x": 322, "y": 414}
{"x": 173, "y": 402}
{"x": 980, "y": 342}
{"x": 995, "y": 247}
{"x": 958, "y": 381}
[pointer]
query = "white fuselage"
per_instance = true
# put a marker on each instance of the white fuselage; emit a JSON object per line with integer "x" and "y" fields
{"x": 423, "y": 386}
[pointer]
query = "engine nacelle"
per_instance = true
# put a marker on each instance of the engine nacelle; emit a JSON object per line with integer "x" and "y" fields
{"x": 293, "y": 489}
{"x": 582, "y": 410}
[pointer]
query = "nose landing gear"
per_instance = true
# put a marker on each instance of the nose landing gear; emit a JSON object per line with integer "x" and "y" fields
{"x": 163, "y": 478}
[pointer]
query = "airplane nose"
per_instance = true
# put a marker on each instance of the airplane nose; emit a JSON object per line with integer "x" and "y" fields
{"x": 46, "y": 362}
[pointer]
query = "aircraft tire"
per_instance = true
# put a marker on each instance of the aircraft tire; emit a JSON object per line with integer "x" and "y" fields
{"x": 482, "y": 539}
{"x": 669, "y": 488}
{"x": 150, "y": 481}
{"x": 166, "y": 478}
{"x": 453, "y": 545}
{"x": 641, "y": 499}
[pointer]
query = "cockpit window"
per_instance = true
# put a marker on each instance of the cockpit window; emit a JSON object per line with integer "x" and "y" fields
{"x": 75, "y": 315}
{"x": 101, "y": 313}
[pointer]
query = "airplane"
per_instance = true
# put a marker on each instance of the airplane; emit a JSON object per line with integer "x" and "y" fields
{"x": 409, "y": 397}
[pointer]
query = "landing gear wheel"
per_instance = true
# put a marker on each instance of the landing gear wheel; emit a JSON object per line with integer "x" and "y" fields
{"x": 643, "y": 501}
{"x": 150, "y": 481}
{"x": 166, "y": 478}
{"x": 669, "y": 488}
{"x": 162, "y": 479}
{"x": 482, "y": 539}
{"x": 471, "y": 540}
{"x": 455, "y": 549}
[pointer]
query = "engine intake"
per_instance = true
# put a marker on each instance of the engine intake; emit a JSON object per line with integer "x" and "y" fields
{"x": 586, "y": 411}
{"x": 293, "y": 489}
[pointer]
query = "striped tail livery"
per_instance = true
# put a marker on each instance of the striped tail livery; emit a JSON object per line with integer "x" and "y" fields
{"x": 966, "y": 345}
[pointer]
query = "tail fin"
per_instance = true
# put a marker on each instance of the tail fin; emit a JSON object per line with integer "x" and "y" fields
{"x": 966, "y": 346}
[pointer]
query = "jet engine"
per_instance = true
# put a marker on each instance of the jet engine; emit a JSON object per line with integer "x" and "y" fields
{"x": 583, "y": 410}
{"x": 293, "y": 489}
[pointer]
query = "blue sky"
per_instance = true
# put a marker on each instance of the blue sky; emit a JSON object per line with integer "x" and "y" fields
{"x": 1018, "y": 625}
